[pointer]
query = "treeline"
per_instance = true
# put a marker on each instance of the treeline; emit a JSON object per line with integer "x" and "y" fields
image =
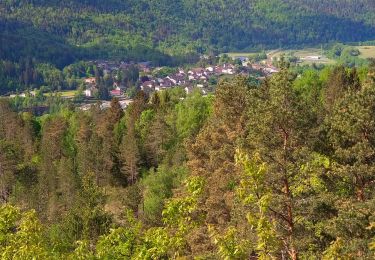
{"x": 281, "y": 170}
{"x": 28, "y": 75}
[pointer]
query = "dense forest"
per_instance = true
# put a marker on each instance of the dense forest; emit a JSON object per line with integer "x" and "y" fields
{"x": 167, "y": 31}
{"x": 45, "y": 43}
{"x": 284, "y": 170}
{"x": 281, "y": 167}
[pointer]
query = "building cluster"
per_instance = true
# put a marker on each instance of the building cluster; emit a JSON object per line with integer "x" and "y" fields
{"x": 188, "y": 79}
{"x": 108, "y": 67}
{"x": 185, "y": 78}
{"x": 264, "y": 68}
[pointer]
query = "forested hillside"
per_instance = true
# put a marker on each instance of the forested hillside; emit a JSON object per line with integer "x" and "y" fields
{"x": 284, "y": 170}
{"x": 63, "y": 31}
{"x": 263, "y": 166}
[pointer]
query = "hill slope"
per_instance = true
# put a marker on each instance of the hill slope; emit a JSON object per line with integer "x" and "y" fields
{"x": 140, "y": 29}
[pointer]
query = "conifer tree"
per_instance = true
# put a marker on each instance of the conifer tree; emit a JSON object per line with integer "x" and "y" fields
{"x": 211, "y": 156}
{"x": 278, "y": 128}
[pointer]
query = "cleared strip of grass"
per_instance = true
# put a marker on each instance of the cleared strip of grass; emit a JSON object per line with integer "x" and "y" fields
{"x": 66, "y": 94}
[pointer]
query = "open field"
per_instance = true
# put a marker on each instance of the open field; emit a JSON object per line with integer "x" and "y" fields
{"x": 302, "y": 54}
{"x": 366, "y": 51}
{"x": 64, "y": 94}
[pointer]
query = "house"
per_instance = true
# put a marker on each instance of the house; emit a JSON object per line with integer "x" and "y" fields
{"x": 90, "y": 80}
{"x": 218, "y": 70}
{"x": 173, "y": 80}
{"x": 180, "y": 78}
{"x": 227, "y": 71}
{"x": 90, "y": 92}
{"x": 256, "y": 66}
{"x": 117, "y": 92}
{"x": 149, "y": 84}
{"x": 196, "y": 71}
{"x": 167, "y": 83}
{"x": 191, "y": 77}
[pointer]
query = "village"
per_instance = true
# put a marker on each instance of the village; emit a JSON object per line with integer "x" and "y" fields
{"x": 149, "y": 80}
{"x": 189, "y": 79}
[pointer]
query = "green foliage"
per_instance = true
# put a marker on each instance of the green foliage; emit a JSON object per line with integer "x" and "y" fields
{"x": 191, "y": 113}
{"x": 155, "y": 244}
{"x": 164, "y": 72}
{"x": 258, "y": 57}
{"x": 27, "y": 241}
{"x": 158, "y": 187}
{"x": 346, "y": 55}
{"x": 254, "y": 191}
{"x": 177, "y": 211}
{"x": 230, "y": 247}
{"x": 119, "y": 244}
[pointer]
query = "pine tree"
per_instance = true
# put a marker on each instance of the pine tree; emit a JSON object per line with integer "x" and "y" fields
{"x": 211, "y": 156}
{"x": 352, "y": 135}
{"x": 278, "y": 128}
